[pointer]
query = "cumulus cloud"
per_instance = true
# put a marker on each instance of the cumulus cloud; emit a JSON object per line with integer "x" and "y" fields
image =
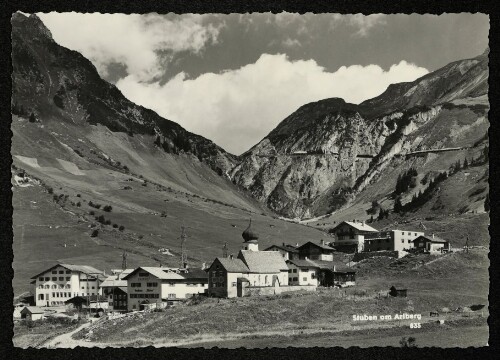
{"x": 237, "y": 108}
{"x": 365, "y": 22}
{"x": 132, "y": 40}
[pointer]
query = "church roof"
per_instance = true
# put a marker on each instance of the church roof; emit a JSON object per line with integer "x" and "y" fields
{"x": 233, "y": 265}
{"x": 249, "y": 234}
{"x": 263, "y": 261}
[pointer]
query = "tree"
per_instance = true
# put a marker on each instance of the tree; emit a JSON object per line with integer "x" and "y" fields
{"x": 94, "y": 233}
{"x": 32, "y": 118}
{"x": 121, "y": 228}
{"x": 398, "y": 206}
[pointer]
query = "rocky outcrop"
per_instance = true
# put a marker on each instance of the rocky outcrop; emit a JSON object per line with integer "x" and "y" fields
{"x": 318, "y": 158}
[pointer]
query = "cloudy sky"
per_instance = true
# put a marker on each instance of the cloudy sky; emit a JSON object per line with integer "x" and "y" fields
{"x": 233, "y": 78}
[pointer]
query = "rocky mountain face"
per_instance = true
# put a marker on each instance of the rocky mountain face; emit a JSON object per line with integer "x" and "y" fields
{"x": 58, "y": 84}
{"x": 320, "y": 157}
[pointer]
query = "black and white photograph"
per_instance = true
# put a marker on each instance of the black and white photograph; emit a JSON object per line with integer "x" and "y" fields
{"x": 250, "y": 180}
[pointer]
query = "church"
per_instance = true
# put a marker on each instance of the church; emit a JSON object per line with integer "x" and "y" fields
{"x": 251, "y": 270}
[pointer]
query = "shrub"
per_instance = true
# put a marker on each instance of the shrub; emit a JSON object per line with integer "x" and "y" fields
{"x": 91, "y": 212}
{"x": 78, "y": 195}
{"x": 78, "y": 204}
{"x": 115, "y": 226}
{"x": 94, "y": 233}
{"x": 107, "y": 208}
{"x": 121, "y": 228}
{"x": 32, "y": 118}
{"x": 101, "y": 219}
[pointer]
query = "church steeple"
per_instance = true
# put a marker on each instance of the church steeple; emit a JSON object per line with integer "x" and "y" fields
{"x": 250, "y": 238}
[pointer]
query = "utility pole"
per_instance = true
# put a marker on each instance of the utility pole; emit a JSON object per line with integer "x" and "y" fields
{"x": 467, "y": 244}
{"x": 183, "y": 251}
{"x": 124, "y": 260}
{"x": 224, "y": 250}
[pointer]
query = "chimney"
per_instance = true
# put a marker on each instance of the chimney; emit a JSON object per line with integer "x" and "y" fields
{"x": 322, "y": 242}
{"x": 186, "y": 265}
{"x": 433, "y": 235}
{"x": 306, "y": 258}
{"x": 231, "y": 256}
{"x": 363, "y": 223}
{"x": 203, "y": 266}
{"x": 297, "y": 245}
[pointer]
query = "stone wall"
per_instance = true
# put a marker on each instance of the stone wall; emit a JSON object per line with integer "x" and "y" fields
{"x": 270, "y": 290}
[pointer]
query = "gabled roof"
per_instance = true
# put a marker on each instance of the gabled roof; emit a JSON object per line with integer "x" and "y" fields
{"x": 86, "y": 269}
{"x": 233, "y": 265}
{"x": 263, "y": 261}
{"x": 434, "y": 239}
{"x": 285, "y": 247}
{"x": 321, "y": 246}
{"x": 160, "y": 273}
{"x": 116, "y": 280}
{"x": 32, "y": 309}
{"x": 358, "y": 226}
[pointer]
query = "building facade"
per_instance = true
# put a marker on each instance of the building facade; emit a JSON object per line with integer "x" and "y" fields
{"x": 155, "y": 287}
{"x": 63, "y": 281}
{"x": 350, "y": 235}
{"x": 431, "y": 244}
{"x": 320, "y": 273}
{"x": 115, "y": 289}
{"x": 394, "y": 240}
{"x": 316, "y": 251}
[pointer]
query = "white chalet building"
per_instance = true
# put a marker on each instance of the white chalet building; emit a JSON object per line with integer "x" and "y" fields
{"x": 62, "y": 282}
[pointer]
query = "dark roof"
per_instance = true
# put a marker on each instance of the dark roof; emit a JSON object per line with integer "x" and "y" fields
{"x": 89, "y": 270}
{"x": 233, "y": 265}
{"x": 249, "y": 234}
{"x": 83, "y": 299}
{"x": 434, "y": 239}
{"x": 285, "y": 247}
{"x": 263, "y": 261}
{"x": 195, "y": 274}
{"x": 321, "y": 246}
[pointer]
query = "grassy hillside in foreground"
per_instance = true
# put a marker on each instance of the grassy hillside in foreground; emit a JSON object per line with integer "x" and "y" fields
{"x": 462, "y": 280}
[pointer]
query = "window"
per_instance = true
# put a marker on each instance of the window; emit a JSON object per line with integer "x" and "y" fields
{"x": 143, "y": 274}
{"x": 110, "y": 296}
{"x": 46, "y": 287}
{"x": 68, "y": 278}
{"x": 83, "y": 287}
{"x": 171, "y": 284}
{"x": 40, "y": 297}
{"x": 61, "y": 278}
{"x": 415, "y": 234}
{"x": 93, "y": 287}
{"x": 68, "y": 271}
{"x": 153, "y": 284}
{"x": 171, "y": 296}
{"x": 54, "y": 278}
{"x": 233, "y": 284}
{"x": 295, "y": 279}
{"x": 54, "y": 286}
{"x": 135, "y": 284}
{"x": 47, "y": 278}
{"x": 40, "y": 286}
{"x": 304, "y": 279}
{"x": 289, "y": 271}
{"x": 294, "y": 270}
{"x": 403, "y": 240}
{"x": 133, "y": 306}
{"x": 40, "y": 278}
{"x": 402, "y": 232}
{"x": 54, "y": 272}
{"x": 290, "y": 279}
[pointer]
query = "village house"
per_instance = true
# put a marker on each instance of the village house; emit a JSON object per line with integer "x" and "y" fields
{"x": 32, "y": 313}
{"x": 320, "y": 273}
{"x": 97, "y": 302}
{"x": 316, "y": 251}
{"x": 115, "y": 289}
{"x": 252, "y": 269}
{"x": 393, "y": 240}
{"x": 350, "y": 235}
{"x": 63, "y": 281}
{"x": 156, "y": 287}
{"x": 288, "y": 251}
{"x": 431, "y": 244}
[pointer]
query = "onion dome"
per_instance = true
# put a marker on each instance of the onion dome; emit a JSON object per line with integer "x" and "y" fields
{"x": 249, "y": 235}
